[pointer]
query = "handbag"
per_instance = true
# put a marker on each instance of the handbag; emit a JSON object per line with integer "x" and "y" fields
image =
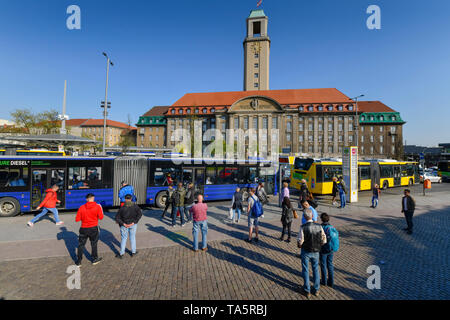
{"x": 230, "y": 214}
{"x": 295, "y": 214}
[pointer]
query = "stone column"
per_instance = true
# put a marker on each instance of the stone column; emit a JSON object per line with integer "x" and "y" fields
{"x": 336, "y": 136}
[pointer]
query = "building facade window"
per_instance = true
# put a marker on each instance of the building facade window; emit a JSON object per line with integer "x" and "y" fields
{"x": 310, "y": 138}
{"x": 330, "y": 127}
{"x": 246, "y": 123}
{"x": 381, "y": 138}
{"x": 300, "y": 126}
{"x": 300, "y": 138}
{"x": 256, "y": 85}
{"x": 288, "y": 137}
{"x": 256, "y": 75}
{"x": 350, "y": 127}
{"x": 340, "y": 126}
{"x": 320, "y": 127}
{"x": 330, "y": 138}
{"x": 310, "y": 126}
{"x": 265, "y": 123}
{"x": 274, "y": 123}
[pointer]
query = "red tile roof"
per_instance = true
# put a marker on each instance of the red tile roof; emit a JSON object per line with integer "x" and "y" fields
{"x": 373, "y": 106}
{"x": 289, "y": 96}
{"x": 156, "y": 111}
{"x": 75, "y": 122}
{"x": 109, "y": 123}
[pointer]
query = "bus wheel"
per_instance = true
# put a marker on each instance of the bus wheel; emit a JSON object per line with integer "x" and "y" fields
{"x": 9, "y": 207}
{"x": 411, "y": 182}
{"x": 160, "y": 200}
{"x": 385, "y": 185}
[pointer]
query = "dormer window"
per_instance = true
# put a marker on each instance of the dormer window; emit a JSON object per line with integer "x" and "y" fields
{"x": 188, "y": 111}
{"x": 197, "y": 110}
{"x": 340, "y": 108}
{"x": 172, "y": 111}
{"x": 300, "y": 108}
{"x": 320, "y": 108}
{"x": 310, "y": 108}
{"x": 381, "y": 118}
{"x": 180, "y": 111}
{"x": 330, "y": 108}
{"x": 350, "y": 107}
{"x": 393, "y": 118}
{"x": 204, "y": 110}
{"x": 213, "y": 110}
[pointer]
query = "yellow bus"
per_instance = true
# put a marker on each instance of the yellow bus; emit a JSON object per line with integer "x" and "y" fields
{"x": 319, "y": 173}
{"x": 36, "y": 152}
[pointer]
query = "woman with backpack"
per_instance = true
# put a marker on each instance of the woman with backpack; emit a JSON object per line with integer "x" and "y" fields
{"x": 287, "y": 215}
{"x": 327, "y": 251}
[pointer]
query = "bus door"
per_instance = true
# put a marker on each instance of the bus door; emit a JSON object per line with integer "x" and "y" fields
{"x": 42, "y": 179}
{"x": 397, "y": 175}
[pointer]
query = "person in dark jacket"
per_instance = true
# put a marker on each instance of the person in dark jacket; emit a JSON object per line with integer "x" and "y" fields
{"x": 169, "y": 201}
{"x": 178, "y": 204}
{"x": 304, "y": 192}
{"x": 287, "y": 216}
{"x": 326, "y": 255}
{"x": 236, "y": 205}
{"x": 189, "y": 202}
{"x": 408, "y": 207}
{"x": 127, "y": 218}
{"x": 334, "y": 191}
{"x": 311, "y": 238}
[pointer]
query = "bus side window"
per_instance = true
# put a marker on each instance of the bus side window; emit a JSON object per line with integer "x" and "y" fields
{"x": 211, "y": 177}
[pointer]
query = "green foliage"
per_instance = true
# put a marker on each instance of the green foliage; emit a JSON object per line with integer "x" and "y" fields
{"x": 45, "y": 122}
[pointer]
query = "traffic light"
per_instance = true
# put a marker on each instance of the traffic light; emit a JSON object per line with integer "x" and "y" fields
{"x": 103, "y": 104}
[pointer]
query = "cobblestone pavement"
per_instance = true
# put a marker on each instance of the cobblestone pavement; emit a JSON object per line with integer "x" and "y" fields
{"x": 412, "y": 266}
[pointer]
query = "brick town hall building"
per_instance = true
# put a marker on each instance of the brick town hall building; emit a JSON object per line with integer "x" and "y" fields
{"x": 311, "y": 122}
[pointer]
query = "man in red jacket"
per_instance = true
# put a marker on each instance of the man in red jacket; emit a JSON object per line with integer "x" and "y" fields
{"x": 89, "y": 214}
{"x": 49, "y": 204}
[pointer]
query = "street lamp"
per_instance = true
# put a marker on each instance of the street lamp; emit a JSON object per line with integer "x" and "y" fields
{"x": 357, "y": 120}
{"x": 106, "y": 106}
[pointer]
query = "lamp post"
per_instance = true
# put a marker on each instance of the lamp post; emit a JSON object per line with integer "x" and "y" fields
{"x": 106, "y": 106}
{"x": 357, "y": 120}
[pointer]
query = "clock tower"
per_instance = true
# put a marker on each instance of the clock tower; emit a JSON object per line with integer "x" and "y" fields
{"x": 256, "y": 52}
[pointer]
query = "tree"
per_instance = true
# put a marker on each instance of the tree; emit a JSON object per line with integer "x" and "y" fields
{"x": 126, "y": 138}
{"x": 45, "y": 122}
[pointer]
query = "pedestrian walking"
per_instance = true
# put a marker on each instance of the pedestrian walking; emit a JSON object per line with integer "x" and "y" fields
{"x": 254, "y": 211}
{"x": 178, "y": 204}
{"x": 169, "y": 201}
{"x": 124, "y": 190}
{"x": 236, "y": 205}
{"x": 408, "y": 207}
{"x": 342, "y": 191}
{"x": 327, "y": 251}
{"x": 89, "y": 214}
{"x": 287, "y": 216}
{"x": 49, "y": 204}
{"x": 306, "y": 206}
{"x": 189, "y": 202}
{"x": 128, "y": 217}
{"x": 311, "y": 238}
{"x": 304, "y": 191}
{"x": 284, "y": 192}
{"x": 375, "y": 194}
{"x": 199, "y": 215}
{"x": 261, "y": 194}
{"x": 334, "y": 191}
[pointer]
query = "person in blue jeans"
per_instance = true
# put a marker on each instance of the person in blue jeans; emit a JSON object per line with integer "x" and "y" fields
{"x": 342, "y": 192}
{"x": 326, "y": 256}
{"x": 128, "y": 217}
{"x": 311, "y": 238}
{"x": 236, "y": 205}
{"x": 199, "y": 214}
{"x": 375, "y": 195}
{"x": 178, "y": 204}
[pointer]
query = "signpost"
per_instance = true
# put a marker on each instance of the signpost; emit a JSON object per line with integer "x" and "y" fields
{"x": 350, "y": 172}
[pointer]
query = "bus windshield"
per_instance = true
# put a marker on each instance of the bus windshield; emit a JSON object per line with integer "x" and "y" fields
{"x": 303, "y": 164}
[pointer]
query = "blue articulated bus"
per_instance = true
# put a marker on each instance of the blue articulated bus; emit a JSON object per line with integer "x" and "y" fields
{"x": 24, "y": 180}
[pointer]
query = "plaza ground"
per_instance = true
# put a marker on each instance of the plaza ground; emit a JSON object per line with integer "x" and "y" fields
{"x": 33, "y": 261}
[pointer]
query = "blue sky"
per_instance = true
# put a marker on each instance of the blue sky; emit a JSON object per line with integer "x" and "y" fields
{"x": 164, "y": 49}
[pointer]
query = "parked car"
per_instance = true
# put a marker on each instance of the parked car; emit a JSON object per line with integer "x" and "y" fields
{"x": 432, "y": 176}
